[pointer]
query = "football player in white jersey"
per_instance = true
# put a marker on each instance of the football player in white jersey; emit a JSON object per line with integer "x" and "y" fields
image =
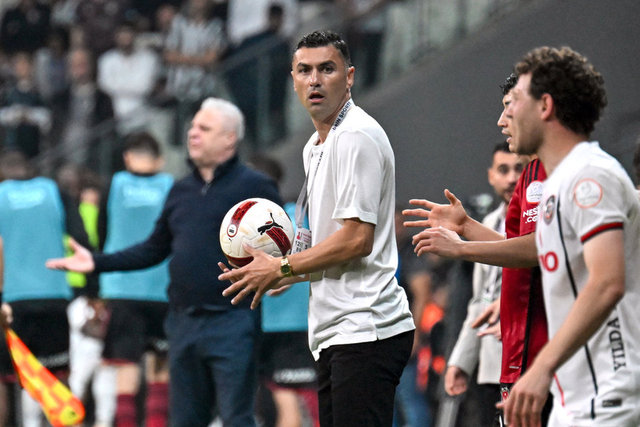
{"x": 588, "y": 249}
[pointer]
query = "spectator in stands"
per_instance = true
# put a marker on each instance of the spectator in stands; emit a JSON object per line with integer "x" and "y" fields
{"x": 50, "y": 63}
{"x": 23, "y": 114}
{"x": 247, "y": 18}
{"x": 24, "y": 27}
{"x": 258, "y": 79}
{"x": 79, "y": 110}
{"x": 98, "y": 18}
{"x": 63, "y": 13}
{"x": 128, "y": 74}
{"x": 193, "y": 46}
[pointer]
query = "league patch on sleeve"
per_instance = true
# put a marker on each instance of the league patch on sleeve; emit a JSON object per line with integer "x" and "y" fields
{"x": 534, "y": 192}
{"x": 587, "y": 193}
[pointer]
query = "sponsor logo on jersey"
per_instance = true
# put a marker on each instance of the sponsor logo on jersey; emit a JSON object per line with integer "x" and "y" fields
{"x": 549, "y": 209}
{"x": 531, "y": 215}
{"x": 534, "y": 192}
{"x": 549, "y": 261}
{"x": 587, "y": 193}
{"x": 617, "y": 345}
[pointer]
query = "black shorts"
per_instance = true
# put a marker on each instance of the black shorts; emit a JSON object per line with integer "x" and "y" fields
{"x": 287, "y": 361}
{"x": 43, "y": 326}
{"x": 134, "y": 328}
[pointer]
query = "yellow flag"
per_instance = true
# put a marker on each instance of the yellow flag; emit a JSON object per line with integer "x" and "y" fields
{"x": 59, "y": 405}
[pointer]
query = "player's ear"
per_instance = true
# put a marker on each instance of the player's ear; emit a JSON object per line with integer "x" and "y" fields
{"x": 547, "y": 106}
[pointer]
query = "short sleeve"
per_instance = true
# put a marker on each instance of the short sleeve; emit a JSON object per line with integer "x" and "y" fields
{"x": 360, "y": 171}
{"x": 595, "y": 202}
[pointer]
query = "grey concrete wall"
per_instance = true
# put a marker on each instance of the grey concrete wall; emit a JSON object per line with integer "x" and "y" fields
{"x": 441, "y": 117}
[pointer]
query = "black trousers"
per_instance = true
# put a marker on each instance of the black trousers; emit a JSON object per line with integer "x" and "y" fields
{"x": 357, "y": 382}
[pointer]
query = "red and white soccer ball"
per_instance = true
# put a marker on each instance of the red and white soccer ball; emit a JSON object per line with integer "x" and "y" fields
{"x": 260, "y": 223}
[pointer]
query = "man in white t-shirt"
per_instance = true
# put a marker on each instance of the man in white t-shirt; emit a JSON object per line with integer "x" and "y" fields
{"x": 588, "y": 249}
{"x": 360, "y": 326}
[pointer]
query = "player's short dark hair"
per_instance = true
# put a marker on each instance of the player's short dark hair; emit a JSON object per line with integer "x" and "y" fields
{"x": 509, "y": 83}
{"x": 326, "y": 38}
{"x": 142, "y": 142}
{"x": 574, "y": 84}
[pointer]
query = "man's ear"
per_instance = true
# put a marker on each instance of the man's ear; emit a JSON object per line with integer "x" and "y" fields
{"x": 548, "y": 106}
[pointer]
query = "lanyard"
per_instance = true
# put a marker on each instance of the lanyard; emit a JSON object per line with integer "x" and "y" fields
{"x": 302, "y": 205}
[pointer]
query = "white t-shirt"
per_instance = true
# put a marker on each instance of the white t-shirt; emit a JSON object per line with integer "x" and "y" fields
{"x": 352, "y": 175}
{"x": 589, "y": 192}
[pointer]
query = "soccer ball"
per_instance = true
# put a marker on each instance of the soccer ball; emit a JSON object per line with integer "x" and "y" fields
{"x": 260, "y": 223}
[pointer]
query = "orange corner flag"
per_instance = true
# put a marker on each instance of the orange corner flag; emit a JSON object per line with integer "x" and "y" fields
{"x": 59, "y": 405}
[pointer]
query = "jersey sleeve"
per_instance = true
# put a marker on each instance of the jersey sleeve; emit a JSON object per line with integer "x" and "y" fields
{"x": 360, "y": 170}
{"x": 595, "y": 202}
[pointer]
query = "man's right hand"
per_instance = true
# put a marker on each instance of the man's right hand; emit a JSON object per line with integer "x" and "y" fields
{"x": 452, "y": 216}
{"x": 456, "y": 381}
{"x": 81, "y": 261}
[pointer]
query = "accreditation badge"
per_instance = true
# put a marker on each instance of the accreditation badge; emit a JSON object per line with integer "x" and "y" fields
{"x": 301, "y": 241}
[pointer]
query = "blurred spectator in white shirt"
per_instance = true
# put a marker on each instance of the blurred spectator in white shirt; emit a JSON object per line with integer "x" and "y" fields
{"x": 128, "y": 74}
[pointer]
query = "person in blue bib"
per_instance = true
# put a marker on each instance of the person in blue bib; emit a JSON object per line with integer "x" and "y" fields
{"x": 137, "y": 300}
{"x": 34, "y": 216}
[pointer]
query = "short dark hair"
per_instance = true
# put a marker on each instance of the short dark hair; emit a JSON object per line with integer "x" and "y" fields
{"x": 501, "y": 146}
{"x": 326, "y": 38}
{"x": 142, "y": 142}
{"x": 509, "y": 83}
{"x": 574, "y": 84}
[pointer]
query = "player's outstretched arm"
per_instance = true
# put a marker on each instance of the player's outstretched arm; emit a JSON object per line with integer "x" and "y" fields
{"x": 81, "y": 261}
{"x": 452, "y": 217}
{"x": 605, "y": 262}
{"x": 516, "y": 253}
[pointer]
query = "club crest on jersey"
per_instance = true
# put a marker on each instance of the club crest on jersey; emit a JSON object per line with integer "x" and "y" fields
{"x": 587, "y": 193}
{"x": 549, "y": 209}
{"x": 269, "y": 225}
{"x": 534, "y": 192}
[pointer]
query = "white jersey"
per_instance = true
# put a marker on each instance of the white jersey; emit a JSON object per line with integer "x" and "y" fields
{"x": 589, "y": 192}
{"x": 352, "y": 175}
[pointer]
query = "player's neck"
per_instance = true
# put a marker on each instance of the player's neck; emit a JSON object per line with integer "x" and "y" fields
{"x": 557, "y": 147}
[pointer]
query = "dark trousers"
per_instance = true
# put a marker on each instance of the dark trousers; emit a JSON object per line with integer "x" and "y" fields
{"x": 212, "y": 362}
{"x": 357, "y": 382}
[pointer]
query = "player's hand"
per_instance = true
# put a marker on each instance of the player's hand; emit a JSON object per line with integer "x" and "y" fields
{"x": 488, "y": 321}
{"x": 456, "y": 381}
{"x": 260, "y": 275}
{"x": 452, "y": 216}
{"x": 439, "y": 241}
{"x": 81, "y": 261}
{"x": 527, "y": 398}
